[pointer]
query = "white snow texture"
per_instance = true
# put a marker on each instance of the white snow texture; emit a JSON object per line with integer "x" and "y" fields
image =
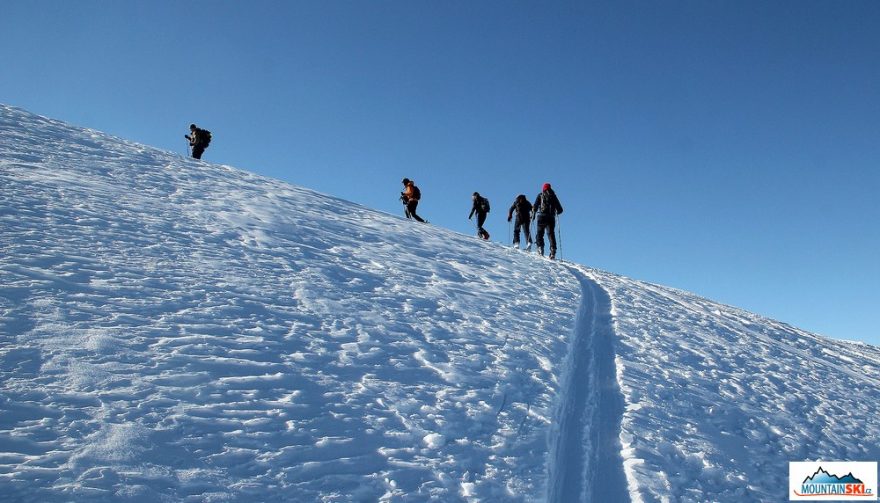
{"x": 174, "y": 330}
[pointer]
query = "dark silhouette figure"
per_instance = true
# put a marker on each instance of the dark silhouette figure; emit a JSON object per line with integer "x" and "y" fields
{"x": 481, "y": 208}
{"x": 545, "y": 209}
{"x": 522, "y": 209}
{"x": 199, "y": 139}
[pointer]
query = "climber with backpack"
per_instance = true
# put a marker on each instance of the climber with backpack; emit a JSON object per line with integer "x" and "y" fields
{"x": 199, "y": 139}
{"x": 523, "y": 210}
{"x": 481, "y": 208}
{"x": 410, "y": 198}
{"x": 544, "y": 211}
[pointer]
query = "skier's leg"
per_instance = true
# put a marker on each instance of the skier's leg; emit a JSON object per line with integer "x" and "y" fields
{"x": 481, "y": 219}
{"x": 411, "y": 206}
{"x": 539, "y": 236}
{"x": 551, "y": 230}
{"x": 528, "y": 232}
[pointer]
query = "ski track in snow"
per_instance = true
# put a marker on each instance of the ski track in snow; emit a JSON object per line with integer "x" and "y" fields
{"x": 586, "y": 464}
{"x": 173, "y": 330}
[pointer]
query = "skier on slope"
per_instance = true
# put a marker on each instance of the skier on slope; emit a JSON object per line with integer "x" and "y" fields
{"x": 199, "y": 139}
{"x": 523, "y": 219}
{"x": 481, "y": 208}
{"x": 544, "y": 211}
{"x": 410, "y": 197}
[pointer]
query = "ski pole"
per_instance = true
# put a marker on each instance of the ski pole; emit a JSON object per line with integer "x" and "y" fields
{"x": 560, "y": 235}
{"x": 534, "y": 229}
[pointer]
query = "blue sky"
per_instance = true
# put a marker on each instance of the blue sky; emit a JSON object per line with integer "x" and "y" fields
{"x": 729, "y": 148}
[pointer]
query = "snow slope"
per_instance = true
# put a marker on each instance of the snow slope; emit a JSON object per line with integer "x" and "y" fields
{"x": 719, "y": 400}
{"x": 173, "y": 330}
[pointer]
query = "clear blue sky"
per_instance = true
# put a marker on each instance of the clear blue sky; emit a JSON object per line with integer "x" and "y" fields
{"x": 729, "y": 148}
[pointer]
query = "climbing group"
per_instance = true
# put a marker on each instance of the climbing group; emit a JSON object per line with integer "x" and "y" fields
{"x": 542, "y": 212}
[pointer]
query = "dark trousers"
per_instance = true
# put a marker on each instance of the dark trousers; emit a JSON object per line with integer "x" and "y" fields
{"x": 411, "y": 210}
{"x": 198, "y": 150}
{"x": 481, "y": 219}
{"x": 547, "y": 222}
{"x": 523, "y": 224}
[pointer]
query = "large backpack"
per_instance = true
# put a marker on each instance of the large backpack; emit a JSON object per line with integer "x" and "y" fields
{"x": 204, "y": 137}
{"x": 546, "y": 206}
{"x": 484, "y": 205}
{"x": 416, "y": 193}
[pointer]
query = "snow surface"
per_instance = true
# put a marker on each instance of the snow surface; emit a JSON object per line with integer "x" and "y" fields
{"x": 174, "y": 330}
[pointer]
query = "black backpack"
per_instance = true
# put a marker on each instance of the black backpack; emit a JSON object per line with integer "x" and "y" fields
{"x": 484, "y": 205}
{"x": 204, "y": 137}
{"x": 416, "y": 193}
{"x": 546, "y": 206}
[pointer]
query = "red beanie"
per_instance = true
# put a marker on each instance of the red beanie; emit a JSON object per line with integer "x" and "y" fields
{"x": 546, "y": 186}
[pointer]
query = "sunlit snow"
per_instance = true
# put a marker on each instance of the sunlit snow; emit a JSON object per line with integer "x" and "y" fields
{"x": 175, "y": 330}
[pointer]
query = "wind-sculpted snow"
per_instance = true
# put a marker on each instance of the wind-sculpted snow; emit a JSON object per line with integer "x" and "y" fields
{"x": 718, "y": 400}
{"x": 173, "y": 330}
{"x": 179, "y": 331}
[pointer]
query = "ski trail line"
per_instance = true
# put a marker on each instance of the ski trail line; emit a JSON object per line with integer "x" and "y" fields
{"x": 586, "y": 464}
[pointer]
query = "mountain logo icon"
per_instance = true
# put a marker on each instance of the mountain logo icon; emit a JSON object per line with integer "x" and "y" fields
{"x": 832, "y": 480}
{"x": 823, "y": 477}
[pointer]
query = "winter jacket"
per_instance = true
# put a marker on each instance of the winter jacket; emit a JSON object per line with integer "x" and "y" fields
{"x": 480, "y": 206}
{"x": 551, "y": 206}
{"x": 411, "y": 192}
{"x": 522, "y": 208}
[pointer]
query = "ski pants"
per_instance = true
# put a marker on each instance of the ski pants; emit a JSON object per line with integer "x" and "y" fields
{"x": 547, "y": 222}
{"x": 198, "y": 150}
{"x": 411, "y": 209}
{"x": 481, "y": 219}
{"x": 524, "y": 224}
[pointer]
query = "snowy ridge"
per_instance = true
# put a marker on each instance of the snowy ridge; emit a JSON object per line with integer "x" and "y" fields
{"x": 173, "y": 330}
{"x": 719, "y": 400}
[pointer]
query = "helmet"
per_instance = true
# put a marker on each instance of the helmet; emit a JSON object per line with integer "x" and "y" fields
{"x": 405, "y": 181}
{"x": 545, "y": 187}
{"x": 192, "y": 126}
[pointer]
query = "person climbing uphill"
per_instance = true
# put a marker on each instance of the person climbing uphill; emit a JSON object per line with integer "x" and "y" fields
{"x": 410, "y": 197}
{"x": 523, "y": 211}
{"x": 481, "y": 208}
{"x": 199, "y": 139}
{"x": 544, "y": 212}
